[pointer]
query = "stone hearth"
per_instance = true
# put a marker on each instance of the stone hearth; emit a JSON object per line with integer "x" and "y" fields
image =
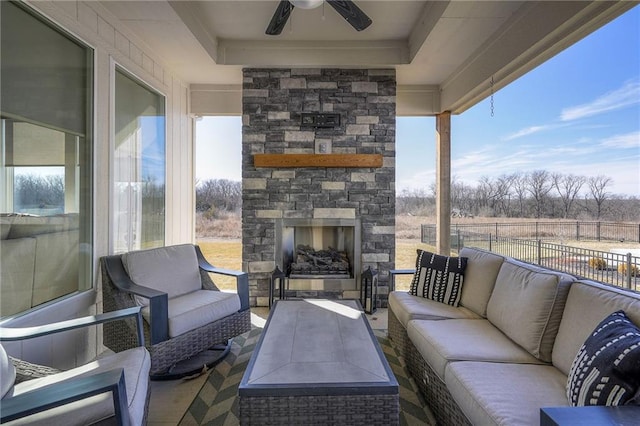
{"x": 273, "y": 103}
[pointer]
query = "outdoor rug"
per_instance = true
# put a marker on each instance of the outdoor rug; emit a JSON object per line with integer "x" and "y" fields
{"x": 217, "y": 402}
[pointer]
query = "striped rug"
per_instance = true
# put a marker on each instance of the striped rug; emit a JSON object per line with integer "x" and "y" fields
{"x": 217, "y": 402}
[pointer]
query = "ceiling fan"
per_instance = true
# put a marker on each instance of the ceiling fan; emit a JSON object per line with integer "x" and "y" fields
{"x": 349, "y": 11}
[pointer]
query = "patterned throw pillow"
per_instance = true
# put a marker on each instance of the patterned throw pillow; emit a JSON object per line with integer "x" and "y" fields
{"x": 438, "y": 277}
{"x": 606, "y": 370}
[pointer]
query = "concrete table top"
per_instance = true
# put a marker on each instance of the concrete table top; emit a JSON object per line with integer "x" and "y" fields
{"x": 317, "y": 346}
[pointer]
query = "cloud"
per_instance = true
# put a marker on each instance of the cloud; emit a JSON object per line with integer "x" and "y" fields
{"x": 628, "y": 140}
{"x": 534, "y": 129}
{"x": 627, "y": 95}
{"x": 526, "y": 132}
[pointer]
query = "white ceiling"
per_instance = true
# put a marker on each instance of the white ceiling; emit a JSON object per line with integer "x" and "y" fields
{"x": 450, "y": 49}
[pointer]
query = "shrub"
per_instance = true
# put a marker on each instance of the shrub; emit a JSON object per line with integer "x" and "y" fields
{"x": 598, "y": 263}
{"x": 622, "y": 269}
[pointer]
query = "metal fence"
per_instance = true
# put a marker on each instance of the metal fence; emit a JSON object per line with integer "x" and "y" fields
{"x": 618, "y": 268}
{"x": 578, "y": 231}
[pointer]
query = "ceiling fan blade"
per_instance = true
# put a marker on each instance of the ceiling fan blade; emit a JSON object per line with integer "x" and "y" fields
{"x": 351, "y": 13}
{"x": 280, "y": 17}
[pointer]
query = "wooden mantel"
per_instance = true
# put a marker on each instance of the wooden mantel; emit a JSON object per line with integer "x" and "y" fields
{"x": 317, "y": 160}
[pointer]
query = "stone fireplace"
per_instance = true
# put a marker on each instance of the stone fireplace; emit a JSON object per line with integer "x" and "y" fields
{"x": 304, "y": 204}
{"x": 319, "y": 254}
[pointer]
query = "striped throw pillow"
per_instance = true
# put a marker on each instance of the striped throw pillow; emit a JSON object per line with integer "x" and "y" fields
{"x": 606, "y": 369}
{"x": 438, "y": 277}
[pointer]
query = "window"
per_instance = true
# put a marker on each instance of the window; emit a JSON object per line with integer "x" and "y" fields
{"x": 139, "y": 166}
{"x": 46, "y": 166}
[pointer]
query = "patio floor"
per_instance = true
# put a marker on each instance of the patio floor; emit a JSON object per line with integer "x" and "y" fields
{"x": 171, "y": 399}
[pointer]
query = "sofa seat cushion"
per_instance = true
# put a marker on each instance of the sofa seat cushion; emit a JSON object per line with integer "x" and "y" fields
{"x": 407, "y": 307}
{"x": 196, "y": 309}
{"x": 589, "y": 303}
{"x": 173, "y": 270}
{"x": 136, "y": 363}
{"x": 505, "y": 394}
{"x": 479, "y": 278}
{"x": 527, "y": 304}
{"x": 442, "y": 342}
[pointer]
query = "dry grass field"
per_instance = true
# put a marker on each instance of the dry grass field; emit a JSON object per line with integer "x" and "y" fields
{"x": 225, "y": 249}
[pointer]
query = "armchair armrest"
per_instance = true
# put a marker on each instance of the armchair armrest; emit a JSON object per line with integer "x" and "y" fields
{"x": 394, "y": 272}
{"x": 68, "y": 391}
{"x": 242, "y": 278}
{"x": 158, "y": 301}
{"x": 9, "y": 334}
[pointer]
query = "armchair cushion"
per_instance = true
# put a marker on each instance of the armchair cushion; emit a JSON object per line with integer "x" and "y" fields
{"x": 172, "y": 270}
{"x": 7, "y": 373}
{"x": 136, "y": 364}
{"x": 196, "y": 309}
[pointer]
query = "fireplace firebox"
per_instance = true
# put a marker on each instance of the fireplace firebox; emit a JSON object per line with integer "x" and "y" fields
{"x": 319, "y": 254}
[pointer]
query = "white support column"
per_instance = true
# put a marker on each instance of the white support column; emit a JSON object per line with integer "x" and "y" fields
{"x": 443, "y": 183}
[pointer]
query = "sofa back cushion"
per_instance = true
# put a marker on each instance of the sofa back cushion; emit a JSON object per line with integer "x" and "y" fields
{"x": 588, "y": 303}
{"x": 527, "y": 303}
{"x": 5, "y": 226}
{"x": 173, "y": 270}
{"x": 16, "y": 275}
{"x": 479, "y": 279}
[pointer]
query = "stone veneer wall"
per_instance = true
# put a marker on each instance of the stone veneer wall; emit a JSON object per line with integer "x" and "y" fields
{"x": 272, "y": 101}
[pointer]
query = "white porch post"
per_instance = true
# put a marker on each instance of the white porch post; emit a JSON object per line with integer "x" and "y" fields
{"x": 443, "y": 183}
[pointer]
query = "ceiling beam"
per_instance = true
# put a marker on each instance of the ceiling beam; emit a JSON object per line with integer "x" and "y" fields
{"x": 312, "y": 53}
{"x": 200, "y": 31}
{"x": 431, "y": 14}
{"x": 417, "y": 100}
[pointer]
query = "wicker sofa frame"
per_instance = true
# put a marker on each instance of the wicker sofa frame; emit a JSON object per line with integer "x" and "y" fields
{"x": 397, "y": 334}
{"x": 434, "y": 390}
{"x": 118, "y": 292}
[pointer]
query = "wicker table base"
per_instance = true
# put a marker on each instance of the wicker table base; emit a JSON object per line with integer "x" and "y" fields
{"x": 318, "y": 363}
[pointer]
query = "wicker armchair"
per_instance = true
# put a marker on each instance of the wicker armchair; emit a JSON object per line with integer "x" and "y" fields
{"x": 180, "y": 323}
{"x": 112, "y": 390}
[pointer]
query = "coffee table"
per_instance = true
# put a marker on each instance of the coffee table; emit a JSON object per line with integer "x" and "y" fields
{"x": 318, "y": 362}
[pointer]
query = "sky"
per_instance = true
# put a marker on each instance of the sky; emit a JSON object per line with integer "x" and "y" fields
{"x": 578, "y": 113}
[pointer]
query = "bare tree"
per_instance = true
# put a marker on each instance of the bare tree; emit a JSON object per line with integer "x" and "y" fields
{"x": 414, "y": 201}
{"x": 503, "y": 184}
{"x": 519, "y": 185}
{"x": 539, "y": 185}
{"x": 568, "y": 187}
{"x": 223, "y": 194}
{"x": 598, "y": 189}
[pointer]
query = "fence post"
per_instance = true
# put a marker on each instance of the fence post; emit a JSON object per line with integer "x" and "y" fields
{"x": 577, "y": 231}
{"x": 497, "y": 231}
{"x": 629, "y": 271}
{"x": 598, "y": 230}
{"x": 536, "y": 230}
{"x": 490, "y": 241}
{"x": 539, "y": 251}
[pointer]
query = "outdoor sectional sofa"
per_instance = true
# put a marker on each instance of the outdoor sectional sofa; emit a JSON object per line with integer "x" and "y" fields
{"x": 507, "y": 349}
{"x": 39, "y": 259}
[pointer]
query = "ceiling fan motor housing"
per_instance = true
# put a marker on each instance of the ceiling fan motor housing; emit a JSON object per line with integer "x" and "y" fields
{"x": 306, "y": 4}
